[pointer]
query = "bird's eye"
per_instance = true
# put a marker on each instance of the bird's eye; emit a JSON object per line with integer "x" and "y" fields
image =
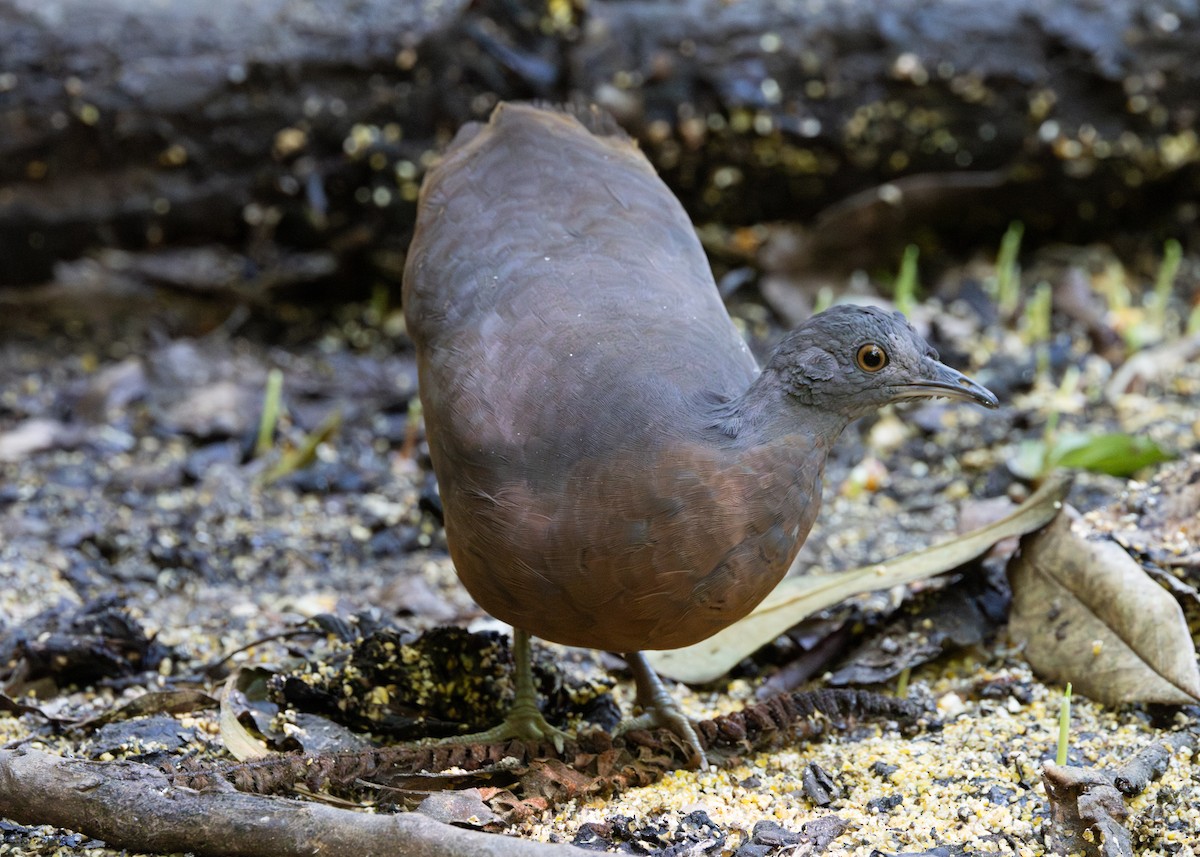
{"x": 871, "y": 358}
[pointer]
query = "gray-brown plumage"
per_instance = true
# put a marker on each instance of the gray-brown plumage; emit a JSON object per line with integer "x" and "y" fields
{"x": 615, "y": 470}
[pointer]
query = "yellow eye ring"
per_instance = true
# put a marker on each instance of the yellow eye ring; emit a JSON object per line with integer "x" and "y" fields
{"x": 871, "y": 358}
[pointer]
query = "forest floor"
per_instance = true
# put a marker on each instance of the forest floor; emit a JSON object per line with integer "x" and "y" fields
{"x": 147, "y": 545}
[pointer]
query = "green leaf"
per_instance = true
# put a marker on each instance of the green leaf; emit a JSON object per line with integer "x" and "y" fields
{"x": 1114, "y": 454}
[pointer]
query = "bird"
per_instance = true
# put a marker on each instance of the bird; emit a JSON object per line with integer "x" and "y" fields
{"x": 616, "y": 470}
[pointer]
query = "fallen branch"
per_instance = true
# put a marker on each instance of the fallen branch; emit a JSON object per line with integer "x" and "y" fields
{"x": 134, "y": 806}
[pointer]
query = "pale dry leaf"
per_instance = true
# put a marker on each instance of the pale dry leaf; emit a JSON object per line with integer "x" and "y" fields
{"x": 236, "y": 737}
{"x": 799, "y": 596}
{"x": 1087, "y": 613}
{"x": 464, "y": 808}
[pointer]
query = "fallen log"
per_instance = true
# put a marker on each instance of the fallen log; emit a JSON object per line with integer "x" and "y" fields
{"x": 290, "y": 139}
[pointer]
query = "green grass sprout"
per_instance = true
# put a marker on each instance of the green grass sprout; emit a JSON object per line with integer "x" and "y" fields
{"x": 905, "y": 293}
{"x": 269, "y": 418}
{"x": 305, "y": 454}
{"x": 1156, "y": 312}
{"x": 1038, "y": 316}
{"x": 1008, "y": 272}
{"x": 1064, "y": 726}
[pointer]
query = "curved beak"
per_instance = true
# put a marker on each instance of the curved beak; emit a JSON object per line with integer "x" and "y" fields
{"x": 941, "y": 380}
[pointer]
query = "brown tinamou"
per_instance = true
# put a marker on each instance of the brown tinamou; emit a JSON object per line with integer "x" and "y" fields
{"x": 616, "y": 471}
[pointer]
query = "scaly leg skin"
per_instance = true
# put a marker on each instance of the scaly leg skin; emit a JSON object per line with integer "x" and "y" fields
{"x": 524, "y": 720}
{"x": 660, "y": 709}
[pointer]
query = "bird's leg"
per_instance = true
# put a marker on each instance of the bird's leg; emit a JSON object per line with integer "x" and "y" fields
{"x": 659, "y": 708}
{"x": 524, "y": 720}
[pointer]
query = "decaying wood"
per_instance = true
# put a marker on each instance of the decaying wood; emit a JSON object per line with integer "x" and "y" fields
{"x": 291, "y": 137}
{"x": 131, "y": 805}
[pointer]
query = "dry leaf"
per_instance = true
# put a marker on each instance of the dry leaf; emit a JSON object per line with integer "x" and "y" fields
{"x": 236, "y": 737}
{"x": 182, "y": 701}
{"x": 463, "y": 808}
{"x": 1087, "y": 613}
{"x": 799, "y": 596}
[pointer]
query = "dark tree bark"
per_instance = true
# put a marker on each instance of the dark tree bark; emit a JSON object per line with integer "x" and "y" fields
{"x": 292, "y": 137}
{"x": 843, "y": 96}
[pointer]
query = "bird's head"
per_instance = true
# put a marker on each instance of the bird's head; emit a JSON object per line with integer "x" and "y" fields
{"x": 852, "y": 360}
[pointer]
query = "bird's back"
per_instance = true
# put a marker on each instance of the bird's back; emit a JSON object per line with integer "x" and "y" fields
{"x": 547, "y": 254}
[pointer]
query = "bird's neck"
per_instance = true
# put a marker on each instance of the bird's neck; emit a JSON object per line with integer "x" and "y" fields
{"x": 767, "y": 412}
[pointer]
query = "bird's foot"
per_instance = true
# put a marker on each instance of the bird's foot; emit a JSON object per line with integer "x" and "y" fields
{"x": 524, "y": 722}
{"x": 660, "y": 710}
{"x": 675, "y": 720}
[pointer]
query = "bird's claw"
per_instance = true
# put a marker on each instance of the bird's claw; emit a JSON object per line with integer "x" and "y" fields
{"x": 669, "y": 717}
{"x": 523, "y": 723}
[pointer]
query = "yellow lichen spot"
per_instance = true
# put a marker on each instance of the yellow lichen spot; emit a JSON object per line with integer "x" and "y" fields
{"x": 1067, "y": 149}
{"x": 726, "y": 177}
{"x": 406, "y": 59}
{"x": 919, "y": 121}
{"x": 898, "y": 161}
{"x": 658, "y": 131}
{"x": 741, "y": 121}
{"x": 624, "y": 80}
{"x": 970, "y": 88}
{"x": 288, "y": 141}
{"x": 1179, "y": 149}
{"x": 799, "y": 160}
{"x": 360, "y": 138}
{"x": 561, "y": 14}
{"x": 908, "y": 66}
{"x": 945, "y": 141}
{"x": 1041, "y": 103}
{"x": 693, "y": 131}
{"x": 174, "y": 155}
